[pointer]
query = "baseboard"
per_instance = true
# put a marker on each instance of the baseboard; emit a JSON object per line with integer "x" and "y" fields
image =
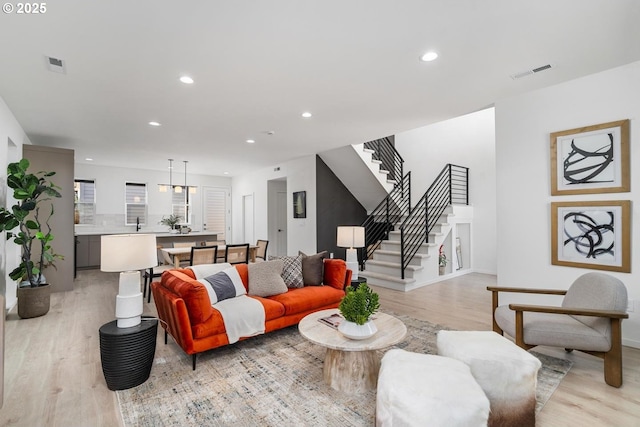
{"x": 630, "y": 343}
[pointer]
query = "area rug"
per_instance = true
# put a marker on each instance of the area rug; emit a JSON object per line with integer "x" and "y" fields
{"x": 271, "y": 380}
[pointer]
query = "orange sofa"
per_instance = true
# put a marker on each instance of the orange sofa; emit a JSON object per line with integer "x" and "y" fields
{"x": 186, "y": 313}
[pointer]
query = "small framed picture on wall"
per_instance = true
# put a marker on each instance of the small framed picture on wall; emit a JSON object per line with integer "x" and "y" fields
{"x": 591, "y": 159}
{"x": 300, "y": 204}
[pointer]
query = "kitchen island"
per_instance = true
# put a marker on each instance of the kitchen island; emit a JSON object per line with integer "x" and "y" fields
{"x": 87, "y": 253}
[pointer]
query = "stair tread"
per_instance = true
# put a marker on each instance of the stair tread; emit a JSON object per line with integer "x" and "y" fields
{"x": 397, "y": 242}
{"x": 381, "y": 276}
{"x": 388, "y": 252}
{"x": 394, "y": 264}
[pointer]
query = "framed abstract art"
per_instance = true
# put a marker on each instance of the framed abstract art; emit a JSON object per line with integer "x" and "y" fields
{"x": 300, "y": 204}
{"x": 592, "y": 159}
{"x": 593, "y": 234}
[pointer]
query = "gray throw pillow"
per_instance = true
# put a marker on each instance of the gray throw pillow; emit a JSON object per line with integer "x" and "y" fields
{"x": 313, "y": 268}
{"x": 265, "y": 278}
{"x": 292, "y": 270}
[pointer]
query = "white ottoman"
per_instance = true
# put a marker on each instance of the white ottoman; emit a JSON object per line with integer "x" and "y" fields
{"x": 420, "y": 389}
{"x": 507, "y": 373}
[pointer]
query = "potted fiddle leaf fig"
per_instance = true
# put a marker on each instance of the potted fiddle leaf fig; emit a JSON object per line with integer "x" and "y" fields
{"x": 28, "y": 224}
{"x": 356, "y": 307}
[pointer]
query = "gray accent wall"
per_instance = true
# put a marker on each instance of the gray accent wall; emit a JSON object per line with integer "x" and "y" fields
{"x": 335, "y": 206}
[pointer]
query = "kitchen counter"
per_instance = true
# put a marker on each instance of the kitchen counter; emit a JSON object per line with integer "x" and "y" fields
{"x": 157, "y": 233}
{"x": 88, "y": 243}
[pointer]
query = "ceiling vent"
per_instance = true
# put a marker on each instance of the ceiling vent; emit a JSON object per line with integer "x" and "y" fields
{"x": 56, "y": 65}
{"x": 525, "y": 73}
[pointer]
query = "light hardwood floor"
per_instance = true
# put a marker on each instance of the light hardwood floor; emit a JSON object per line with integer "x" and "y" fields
{"x": 53, "y": 375}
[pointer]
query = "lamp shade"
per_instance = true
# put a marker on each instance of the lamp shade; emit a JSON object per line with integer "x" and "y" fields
{"x": 350, "y": 237}
{"x": 128, "y": 252}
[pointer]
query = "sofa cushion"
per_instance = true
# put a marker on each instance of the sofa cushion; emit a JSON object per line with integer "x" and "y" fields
{"x": 335, "y": 271}
{"x": 308, "y": 298}
{"x": 265, "y": 278}
{"x": 292, "y": 270}
{"x": 313, "y": 268}
{"x": 194, "y": 294}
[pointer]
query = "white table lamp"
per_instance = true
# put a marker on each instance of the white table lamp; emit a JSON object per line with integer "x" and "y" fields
{"x": 351, "y": 237}
{"x": 128, "y": 254}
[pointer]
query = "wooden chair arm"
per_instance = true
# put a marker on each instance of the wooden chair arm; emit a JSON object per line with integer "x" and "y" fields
{"x": 527, "y": 290}
{"x": 571, "y": 311}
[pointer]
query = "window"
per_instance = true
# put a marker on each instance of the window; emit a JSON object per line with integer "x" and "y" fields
{"x": 181, "y": 205}
{"x": 215, "y": 211}
{"x": 85, "y": 201}
{"x": 135, "y": 203}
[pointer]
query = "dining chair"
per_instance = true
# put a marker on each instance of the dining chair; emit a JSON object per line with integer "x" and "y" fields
{"x": 204, "y": 254}
{"x": 184, "y": 262}
{"x": 261, "y": 252}
{"x": 237, "y": 253}
{"x": 217, "y": 243}
{"x": 164, "y": 263}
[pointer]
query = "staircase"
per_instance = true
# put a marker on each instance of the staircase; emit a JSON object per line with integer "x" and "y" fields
{"x": 403, "y": 241}
{"x": 384, "y": 268}
{"x": 360, "y": 172}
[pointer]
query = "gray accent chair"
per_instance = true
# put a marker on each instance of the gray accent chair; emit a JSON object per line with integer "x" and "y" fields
{"x": 589, "y": 320}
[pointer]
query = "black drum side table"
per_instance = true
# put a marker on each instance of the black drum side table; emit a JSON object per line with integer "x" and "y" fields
{"x": 127, "y": 353}
{"x": 355, "y": 283}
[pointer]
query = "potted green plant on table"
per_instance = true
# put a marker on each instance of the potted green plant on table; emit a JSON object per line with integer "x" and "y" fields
{"x": 356, "y": 307}
{"x": 33, "y": 235}
{"x": 171, "y": 221}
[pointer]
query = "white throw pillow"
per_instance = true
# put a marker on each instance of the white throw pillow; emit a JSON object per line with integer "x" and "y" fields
{"x": 203, "y": 270}
{"x": 223, "y": 285}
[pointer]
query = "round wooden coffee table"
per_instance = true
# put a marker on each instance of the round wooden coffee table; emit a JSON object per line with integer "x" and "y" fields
{"x": 352, "y": 365}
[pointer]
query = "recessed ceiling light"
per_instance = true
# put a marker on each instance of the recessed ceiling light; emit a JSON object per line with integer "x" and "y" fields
{"x": 186, "y": 80}
{"x": 154, "y": 124}
{"x": 250, "y": 141}
{"x": 225, "y": 173}
{"x": 429, "y": 56}
{"x": 306, "y": 114}
{"x": 89, "y": 159}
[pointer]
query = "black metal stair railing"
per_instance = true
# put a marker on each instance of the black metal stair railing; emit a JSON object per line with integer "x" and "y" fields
{"x": 384, "y": 217}
{"x": 386, "y": 153}
{"x": 450, "y": 187}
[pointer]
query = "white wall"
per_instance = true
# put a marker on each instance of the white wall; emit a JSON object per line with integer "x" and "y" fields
{"x": 301, "y": 176}
{"x": 12, "y": 137}
{"x": 465, "y": 141}
{"x": 523, "y": 125}
{"x": 110, "y": 188}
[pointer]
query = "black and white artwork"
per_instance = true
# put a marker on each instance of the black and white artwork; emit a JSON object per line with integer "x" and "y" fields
{"x": 300, "y": 204}
{"x": 591, "y": 234}
{"x": 593, "y": 159}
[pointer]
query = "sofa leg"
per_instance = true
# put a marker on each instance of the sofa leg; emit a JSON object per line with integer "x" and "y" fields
{"x": 193, "y": 361}
{"x": 165, "y": 337}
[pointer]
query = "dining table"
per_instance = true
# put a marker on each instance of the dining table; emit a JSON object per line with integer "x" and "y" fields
{"x": 183, "y": 254}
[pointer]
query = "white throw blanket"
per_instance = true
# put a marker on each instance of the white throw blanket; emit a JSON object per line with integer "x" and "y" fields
{"x": 243, "y": 317}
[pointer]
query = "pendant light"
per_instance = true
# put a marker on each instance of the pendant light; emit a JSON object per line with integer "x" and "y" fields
{"x": 163, "y": 187}
{"x": 191, "y": 190}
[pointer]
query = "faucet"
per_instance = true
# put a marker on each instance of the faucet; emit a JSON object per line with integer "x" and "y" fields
{"x": 138, "y": 224}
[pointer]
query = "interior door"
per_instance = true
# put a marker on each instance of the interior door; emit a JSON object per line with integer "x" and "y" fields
{"x": 216, "y": 211}
{"x": 281, "y": 221}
